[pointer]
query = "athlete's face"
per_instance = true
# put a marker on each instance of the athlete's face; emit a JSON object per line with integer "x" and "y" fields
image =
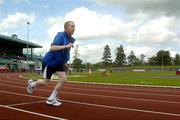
{"x": 70, "y": 28}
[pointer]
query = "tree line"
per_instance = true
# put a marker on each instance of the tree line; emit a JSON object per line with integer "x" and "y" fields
{"x": 162, "y": 57}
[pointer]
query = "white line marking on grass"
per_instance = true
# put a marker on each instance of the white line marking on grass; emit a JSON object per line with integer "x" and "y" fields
{"x": 129, "y": 85}
{"x": 26, "y": 103}
{"x": 104, "y": 106}
{"x": 114, "y": 84}
{"x": 34, "y": 113}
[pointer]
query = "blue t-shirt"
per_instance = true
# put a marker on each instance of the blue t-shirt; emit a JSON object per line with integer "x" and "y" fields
{"x": 54, "y": 58}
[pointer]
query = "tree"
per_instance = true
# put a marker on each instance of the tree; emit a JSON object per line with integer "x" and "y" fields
{"x": 14, "y": 36}
{"x": 163, "y": 58}
{"x": 120, "y": 59}
{"x": 152, "y": 60}
{"x": 77, "y": 63}
{"x": 131, "y": 58}
{"x": 76, "y": 54}
{"x": 107, "y": 56}
{"x": 142, "y": 59}
{"x": 137, "y": 62}
{"x": 177, "y": 59}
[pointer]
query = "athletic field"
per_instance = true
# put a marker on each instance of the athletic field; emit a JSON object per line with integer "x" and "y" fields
{"x": 156, "y": 78}
{"x": 82, "y": 101}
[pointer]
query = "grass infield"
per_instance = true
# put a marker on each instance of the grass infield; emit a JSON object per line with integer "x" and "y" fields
{"x": 165, "y": 78}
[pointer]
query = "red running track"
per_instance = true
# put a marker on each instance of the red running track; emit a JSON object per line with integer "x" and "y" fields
{"x": 87, "y": 102}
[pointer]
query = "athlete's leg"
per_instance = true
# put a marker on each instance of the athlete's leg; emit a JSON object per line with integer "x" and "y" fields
{"x": 62, "y": 78}
{"x": 40, "y": 83}
{"x": 53, "y": 99}
{"x": 48, "y": 71}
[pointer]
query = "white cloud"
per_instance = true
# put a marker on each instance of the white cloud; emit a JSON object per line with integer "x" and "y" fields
{"x": 89, "y": 52}
{"x": 160, "y": 31}
{"x": 89, "y": 24}
{"x": 147, "y": 51}
{"x": 142, "y": 33}
{"x": 5, "y": 33}
{"x": 94, "y": 25}
{"x": 153, "y": 7}
{"x": 94, "y": 52}
{"x": 42, "y": 51}
{"x": 16, "y": 20}
{"x": 140, "y": 30}
{"x": 173, "y": 53}
{"x": 56, "y": 24}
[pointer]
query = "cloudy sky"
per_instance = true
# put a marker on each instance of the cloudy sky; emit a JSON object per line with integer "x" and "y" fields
{"x": 144, "y": 26}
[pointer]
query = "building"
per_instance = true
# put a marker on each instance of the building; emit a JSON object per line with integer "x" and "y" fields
{"x": 11, "y": 52}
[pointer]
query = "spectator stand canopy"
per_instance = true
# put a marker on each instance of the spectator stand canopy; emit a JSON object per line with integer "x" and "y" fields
{"x": 11, "y": 50}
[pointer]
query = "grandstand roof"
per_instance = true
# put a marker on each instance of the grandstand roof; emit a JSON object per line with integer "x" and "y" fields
{"x": 17, "y": 42}
{"x": 6, "y": 61}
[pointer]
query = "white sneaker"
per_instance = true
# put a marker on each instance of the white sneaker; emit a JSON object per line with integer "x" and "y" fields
{"x": 58, "y": 99}
{"x": 53, "y": 102}
{"x": 29, "y": 87}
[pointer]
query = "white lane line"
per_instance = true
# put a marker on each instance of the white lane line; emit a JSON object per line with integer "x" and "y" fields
{"x": 104, "y": 106}
{"x": 143, "y": 93}
{"x": 100, "y": 90}
{"x": 128, "y": 85}
{"x": 105, "y": 96}
{"x": 113, "y": 84}
{"x": 26, "y": 103}
{"x": 93, "y": 88}
{"x": 25, "y": 95}
{"x": 124, "y": 108}
{"x": 126, "y": 98}
{"x": 85, "y": 89}
{"x": 34, "y": 113}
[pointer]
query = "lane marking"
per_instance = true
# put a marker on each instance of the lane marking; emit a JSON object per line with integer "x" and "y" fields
{"x": 25, "y": 103}
{"x": 34, "y": 113}
{"x": 139, "y": 89}
{"x": 124, "y": 108}
{"x": 107, "y": 90}
{"x": 164, "y": 95}
{"x": 102, "y": 106}
{"x": 128, "y": 85}
{"x": 105, "y": 96}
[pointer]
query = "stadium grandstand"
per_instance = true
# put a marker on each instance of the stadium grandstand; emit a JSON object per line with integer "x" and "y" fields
{"x": 14, "y": 57}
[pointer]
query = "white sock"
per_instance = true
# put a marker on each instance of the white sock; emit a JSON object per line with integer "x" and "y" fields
{"x": 33, "y": 84}
{"x": 53, "y": 95}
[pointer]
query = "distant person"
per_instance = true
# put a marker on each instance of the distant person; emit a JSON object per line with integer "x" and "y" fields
{"x": 55, "y": 61}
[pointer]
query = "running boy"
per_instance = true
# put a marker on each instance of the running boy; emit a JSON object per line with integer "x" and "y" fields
{"x": 55, "y": 61}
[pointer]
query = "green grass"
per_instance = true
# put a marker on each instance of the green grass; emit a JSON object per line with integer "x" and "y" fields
{"x": 142, "y": 67}
{"x": 164, "y": 78}
{"x": 151, "y": 67}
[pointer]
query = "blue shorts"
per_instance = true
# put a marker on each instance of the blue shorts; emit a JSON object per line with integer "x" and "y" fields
{"x": 48, "y": 71}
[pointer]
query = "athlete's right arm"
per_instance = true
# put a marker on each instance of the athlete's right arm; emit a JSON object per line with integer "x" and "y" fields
{"x": 58, "y": 47}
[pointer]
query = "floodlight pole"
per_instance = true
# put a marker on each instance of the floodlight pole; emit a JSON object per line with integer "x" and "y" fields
{"x": 162, "y": 61}
{"x": 86, "y": 58}
{"x": 28, "y": 23}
